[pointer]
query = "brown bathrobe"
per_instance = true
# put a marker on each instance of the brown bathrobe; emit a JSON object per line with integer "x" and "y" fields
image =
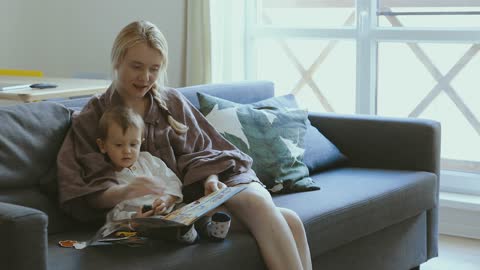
{"x": 193, "y": 156}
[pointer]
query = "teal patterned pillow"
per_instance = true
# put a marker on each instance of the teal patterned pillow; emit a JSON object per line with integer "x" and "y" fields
{"x": 269, "y": 133}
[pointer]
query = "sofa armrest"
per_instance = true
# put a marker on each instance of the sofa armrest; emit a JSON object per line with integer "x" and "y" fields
{"x": 388, "y": 143}
{"x": 383, "y": 142}
{"x": 24, "y": 237}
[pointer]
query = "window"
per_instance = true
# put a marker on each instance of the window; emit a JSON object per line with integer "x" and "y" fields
{"x": 310, "y": 68}
{"x": 387, "y": 57}
{"x": 306, "y": 13}
{"x": 428, "y": 13}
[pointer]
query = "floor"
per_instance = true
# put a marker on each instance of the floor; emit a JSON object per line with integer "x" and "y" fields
{"x": 455, "y": 253}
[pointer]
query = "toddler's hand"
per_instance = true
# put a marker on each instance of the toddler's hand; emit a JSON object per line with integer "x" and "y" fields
{"x": 142, "y": 212}
{"x": 163, "y": 204}
{"x": 160, "y": 206}
{"x": 144, "y": 185}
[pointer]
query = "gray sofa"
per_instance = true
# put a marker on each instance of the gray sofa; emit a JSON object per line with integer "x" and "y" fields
{"x": 378, "y": 211}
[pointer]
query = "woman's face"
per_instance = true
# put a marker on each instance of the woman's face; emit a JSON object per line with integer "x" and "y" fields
{"x": 138, "y": 71}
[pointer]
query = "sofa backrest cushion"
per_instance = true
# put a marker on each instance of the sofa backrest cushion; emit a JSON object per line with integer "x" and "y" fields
{"x": 30, "y": 137}
{"x": 240, "y": 92}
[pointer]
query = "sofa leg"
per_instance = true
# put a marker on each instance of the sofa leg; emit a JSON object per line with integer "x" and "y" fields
{"x": 416, "y": 268}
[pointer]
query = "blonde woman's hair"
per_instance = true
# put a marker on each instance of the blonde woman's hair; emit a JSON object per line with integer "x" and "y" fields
{"x": 146, "y": 32}
{"x": 122, "y": 116}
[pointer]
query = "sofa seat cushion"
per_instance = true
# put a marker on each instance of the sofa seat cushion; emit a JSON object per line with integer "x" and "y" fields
{"x": 238, "y": 251}
{"x": 355, "y": 202}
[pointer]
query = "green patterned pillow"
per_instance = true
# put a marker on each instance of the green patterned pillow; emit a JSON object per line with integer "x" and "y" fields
{"x": 269, "y": 133}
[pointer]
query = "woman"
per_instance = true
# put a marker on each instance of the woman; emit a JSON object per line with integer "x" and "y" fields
{"x": 179, "y": 135}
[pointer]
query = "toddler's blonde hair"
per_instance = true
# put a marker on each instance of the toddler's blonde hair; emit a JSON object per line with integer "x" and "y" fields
{"x": 123, "y": 116}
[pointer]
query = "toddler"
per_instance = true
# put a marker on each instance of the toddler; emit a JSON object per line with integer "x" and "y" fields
{"x": 120, "y": 138}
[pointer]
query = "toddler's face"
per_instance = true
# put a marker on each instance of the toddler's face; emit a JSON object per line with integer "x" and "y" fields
{"x": 123, "y": 149}
{"x": 138, "y": 71}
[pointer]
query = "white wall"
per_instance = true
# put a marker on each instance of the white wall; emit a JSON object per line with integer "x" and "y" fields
{"x": 64, "y": 38}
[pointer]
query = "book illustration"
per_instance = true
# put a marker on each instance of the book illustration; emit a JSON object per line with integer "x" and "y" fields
{"x": 124, "y": 231}
{"x": 193, "y": 211}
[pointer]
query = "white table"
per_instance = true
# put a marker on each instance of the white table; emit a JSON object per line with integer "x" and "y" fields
{"x": 66, "y": 87}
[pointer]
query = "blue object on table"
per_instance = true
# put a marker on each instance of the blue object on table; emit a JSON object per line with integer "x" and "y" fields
{"x": 43, "y": 85}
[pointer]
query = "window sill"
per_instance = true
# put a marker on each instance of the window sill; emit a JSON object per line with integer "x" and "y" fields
{"x": 459, "y": 183}
{"x": 459, "y": 214}
{"x": 460, "y": 201}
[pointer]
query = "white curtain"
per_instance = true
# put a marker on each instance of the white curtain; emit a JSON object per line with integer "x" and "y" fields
{"x": 215, "y": 41}
{"x": 228, "y": 40}
{"x": 198, "y": 56}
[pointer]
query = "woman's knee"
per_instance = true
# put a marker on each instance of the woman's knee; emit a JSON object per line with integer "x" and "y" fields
{"x": 254, "y": 197}
{"x": 293, "y": 220}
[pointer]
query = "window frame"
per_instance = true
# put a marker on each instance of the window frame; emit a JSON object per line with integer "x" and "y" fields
{"x": 367, "y": 35}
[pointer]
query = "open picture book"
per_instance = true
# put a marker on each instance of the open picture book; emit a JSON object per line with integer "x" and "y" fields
{"x": 124, "y": 231}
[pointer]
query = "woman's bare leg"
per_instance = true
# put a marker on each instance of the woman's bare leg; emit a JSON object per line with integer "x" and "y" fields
{"x": 254, "y": 207}
{"x": 296, "y": 226}
{"x": 298, "y": 231}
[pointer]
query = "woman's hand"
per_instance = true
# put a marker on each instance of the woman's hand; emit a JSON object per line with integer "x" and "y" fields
{"x": 212, "y": 184}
